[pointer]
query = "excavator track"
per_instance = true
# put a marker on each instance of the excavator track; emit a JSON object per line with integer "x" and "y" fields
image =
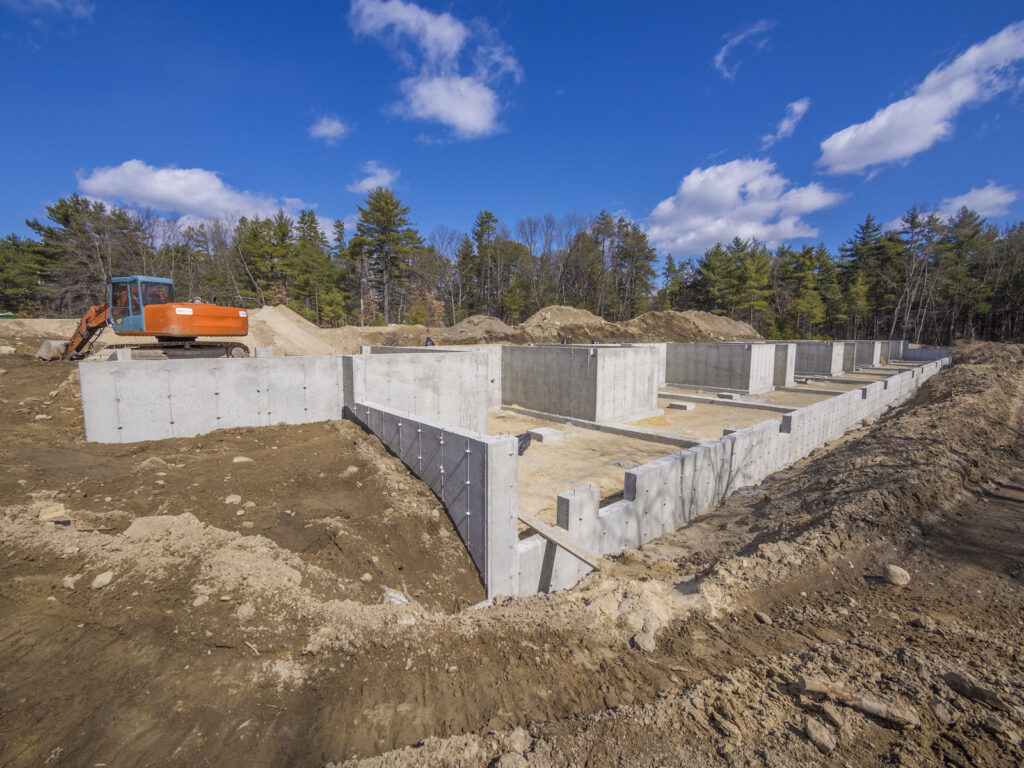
{"x": 180, "y": 350}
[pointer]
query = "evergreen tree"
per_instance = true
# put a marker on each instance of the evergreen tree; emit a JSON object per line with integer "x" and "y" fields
{"x": 386, "y": 239}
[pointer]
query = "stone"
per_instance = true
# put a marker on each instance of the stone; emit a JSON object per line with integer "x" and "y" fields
{"x": 896, "y": 576}
{"x": 41, "y": 417}
{"x": 366, "y": 577}
{"x": 644, "y": 641}
{"x": 240, "y": 460}
{"x": 234, "y": 498}
{"x": 967, "y": 687}
{"x": 940, "y": 710}
{"x": 201, "y": 600}
{"x": 68, "y": 582}
{"x": 762, "y": 617}
{"x": 518, "y": 741}
{"x": 510, "y": 760}
{"x": 52, "y": 513}
{"x": 102, "y": 580}
{"x": 820, "y": 735}
{"x": 7, "y": 350}
{"x": 923, "y": 622}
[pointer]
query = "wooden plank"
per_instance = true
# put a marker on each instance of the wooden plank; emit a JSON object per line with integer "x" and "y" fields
{"x": 558, "y": 536}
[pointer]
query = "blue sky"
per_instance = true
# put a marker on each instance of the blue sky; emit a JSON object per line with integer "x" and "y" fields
{"x": 785, "y": 121}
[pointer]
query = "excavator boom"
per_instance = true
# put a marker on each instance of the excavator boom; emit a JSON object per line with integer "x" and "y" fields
{"x": 91, "y": 326}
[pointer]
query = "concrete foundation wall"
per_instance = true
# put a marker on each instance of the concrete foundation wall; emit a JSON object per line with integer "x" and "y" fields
{"x": 849, "y": 355}
{"x": 869, "y": 353}
{"x": 474, "y": 476}
{"x": 665, "y": 494}
{"x": 628, "y": 379}
{"x": 893, "y": 350}
{"x": 926, "y": 353}
{"x": 661, "y": 354}
{"x": 551, "y": 379}
{"x": 785, "y": 365}
{"x": 747, "y": 368}
{"x": 600, "y": 384}
{"x": 448, "y": 388}
{"x": 133, "y": 400}
{"x": 491, "y": 351}
{"x": 819, "y": 358}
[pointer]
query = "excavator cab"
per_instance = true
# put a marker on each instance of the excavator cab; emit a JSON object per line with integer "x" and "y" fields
{"x": 129, "y": 296}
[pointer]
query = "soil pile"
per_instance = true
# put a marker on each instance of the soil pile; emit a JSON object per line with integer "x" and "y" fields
{"x": 691, "y": 325}
{"x": 476, "y": 329}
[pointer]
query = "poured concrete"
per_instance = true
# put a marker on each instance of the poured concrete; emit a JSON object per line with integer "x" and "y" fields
{"x": 785, "y": 365}
{"x": 742, "y": 367}
{"x": 823, "y": 358}
{"x": 591, "y": 383}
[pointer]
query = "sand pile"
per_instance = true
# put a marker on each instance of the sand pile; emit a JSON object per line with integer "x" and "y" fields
{"x": 688, "y": 326}
{"x": 476, "y": 329}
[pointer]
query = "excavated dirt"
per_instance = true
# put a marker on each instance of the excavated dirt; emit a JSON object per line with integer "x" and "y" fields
{"x": 705, "y": 647}
{"x": 290, "y": 334}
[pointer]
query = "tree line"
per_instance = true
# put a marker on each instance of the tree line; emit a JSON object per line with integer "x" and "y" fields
{"x": 927, "y": 280}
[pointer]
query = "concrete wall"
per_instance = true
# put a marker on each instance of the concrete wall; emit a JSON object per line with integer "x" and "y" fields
{"x": 925, "y": 353}
{"x": 448, "y": 388}
{"x": 491, "y": 351}
{"x": 665, "y": 494}
{"x": 474, "y": 475}
{"x": 893, "y": 350}
{"x": 849, "y": 355}
{"x": 785, "y": 365}
{"x": 869, "y": 353}
{"x": 628, "y": 379}
{"x": 133, "y": 400}
{"x": 747, "y": 368}
{"x": 661, "y": 354}
{"x": 819, "y": 358}
{"x": 601, "y": 384}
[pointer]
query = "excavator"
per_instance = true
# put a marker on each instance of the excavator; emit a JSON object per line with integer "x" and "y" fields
{"x": 139, "y": 305}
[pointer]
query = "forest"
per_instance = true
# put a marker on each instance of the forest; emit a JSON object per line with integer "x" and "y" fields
{"x": 927, "y": 280}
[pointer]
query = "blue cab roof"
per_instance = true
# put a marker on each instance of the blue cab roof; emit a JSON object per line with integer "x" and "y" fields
{"x": 147, "y": 278}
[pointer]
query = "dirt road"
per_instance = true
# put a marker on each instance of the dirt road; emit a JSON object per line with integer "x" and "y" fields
{"x": 744, "y": 614}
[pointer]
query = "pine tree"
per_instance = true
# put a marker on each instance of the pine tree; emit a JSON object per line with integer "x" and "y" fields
{"x": 386, "y": 239}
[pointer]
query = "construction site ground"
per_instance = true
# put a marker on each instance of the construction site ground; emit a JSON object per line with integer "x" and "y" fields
{"x": 762, "y": 634}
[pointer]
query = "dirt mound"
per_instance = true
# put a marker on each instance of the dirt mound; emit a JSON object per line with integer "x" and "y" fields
{"x": 557, "y": 315}
{"x": 476, "y": 329}
{"x": 691, "y": 325}
{"x": 287, "y": 332}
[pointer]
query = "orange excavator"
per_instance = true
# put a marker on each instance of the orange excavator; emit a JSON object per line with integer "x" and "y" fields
{"x": 138, "y": 305}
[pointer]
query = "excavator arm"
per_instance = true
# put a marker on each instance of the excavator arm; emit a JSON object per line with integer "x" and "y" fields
{"x": 91, "y": 325}
{"x": 89, "y": 328}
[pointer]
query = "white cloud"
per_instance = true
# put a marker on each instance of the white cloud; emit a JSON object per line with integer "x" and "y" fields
{"x": 465, "y": 104}
{"x": 794, "y": 114}
{"x": 991, "y": 200}
{"x": 329, "y": 128}
{"x": 742, "y": 198}
{"x": 440, "y": 36}
{"x": 193, "y": 192}
{"x": 435, "y": 45}
{"x": 376, "y": 176}
{"x": 755, "y": 33}
{"x": 902, "y": 129}
{"x": 78, "y": 9}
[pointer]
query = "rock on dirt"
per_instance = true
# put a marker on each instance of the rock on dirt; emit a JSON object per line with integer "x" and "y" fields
{"x": 763, "y": 617}
{"x": 102, "y": 580}
{"x": 896, "y": 576}
{"x": 234, "y": 498}
{"x": 643, "y": 641}
{"x": 820, "y": 735}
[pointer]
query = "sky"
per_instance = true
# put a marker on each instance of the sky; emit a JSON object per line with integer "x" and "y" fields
{"x": 789, "y": 122}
